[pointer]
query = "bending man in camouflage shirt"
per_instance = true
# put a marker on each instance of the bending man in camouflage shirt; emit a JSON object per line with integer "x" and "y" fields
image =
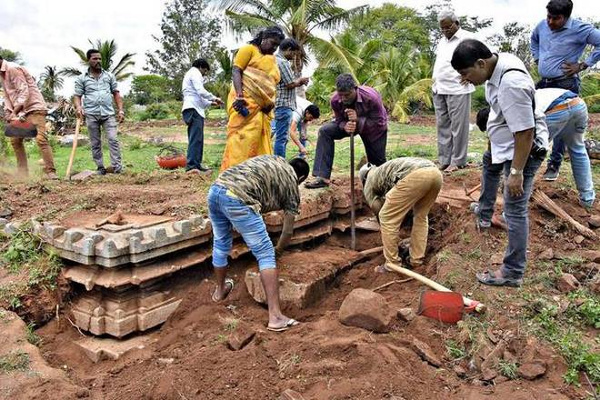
{"x": 236, "y": 199}
{"x": 393, "y": 189}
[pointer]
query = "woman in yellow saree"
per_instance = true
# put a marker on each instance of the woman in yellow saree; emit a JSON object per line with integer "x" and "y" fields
{"x": 252, "y": 98}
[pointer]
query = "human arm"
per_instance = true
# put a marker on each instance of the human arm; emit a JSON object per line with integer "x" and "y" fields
{"x": 19, "y": 82}
{"x": 594, "y": 40}
{"x": 523, "y": 143}
{"x": 297, "y": 82}
{"x": 240, "y": 62}
{"x": 79, "y": 92}
{"x": 294, "y": 136}
{"x": 78, "y": 107}
{"x": 119, "y": 103}
{"x": 286, "y": 233}
{"x": 534, "y": 46}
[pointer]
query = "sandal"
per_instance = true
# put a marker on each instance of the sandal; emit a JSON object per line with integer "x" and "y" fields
{"x": 228, "y": 284}
{"x": 316, "y": 184}
{"x": 290, "y": 323}
{"x": 382, "y": 269}
{"x": 489, "y": 278}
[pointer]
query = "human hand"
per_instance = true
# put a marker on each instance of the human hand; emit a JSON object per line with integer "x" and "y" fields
{"x": 571, "y": 69}
{"x": 80, "y": 113}
{"x": 351, "y": 114}
{"x": 515, "y": 185}
{"x": 303, "y": 81}
{"x": 350, "y": 127}
{"x": 121, "y": 116}
{"x": 8, "y": 116}
{"x": 239, "y": 103}
{"x": 302, "y": 150}
{"x": 217, "y": 101}
{"x": 267, "y": 109}
{"x": 464, "y": 81}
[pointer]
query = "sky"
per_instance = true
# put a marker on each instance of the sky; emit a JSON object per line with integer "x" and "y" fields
{"x": 42, "y": 31}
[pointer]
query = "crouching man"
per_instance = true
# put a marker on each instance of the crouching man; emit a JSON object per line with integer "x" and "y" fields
{"x": 393, "y": 189}
{"x": 236, "y": 200}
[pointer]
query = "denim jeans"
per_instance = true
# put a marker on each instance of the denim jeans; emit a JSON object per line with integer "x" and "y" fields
{"x": 558, "y": 147}
{"x": 516, "y": 210}
{"x": 109, "y": 124}
{"x": 195, "y": 131}
{"x": 569, "y": 126}
{"x": 225, "y": 211}
{"x": 281, "y": 127}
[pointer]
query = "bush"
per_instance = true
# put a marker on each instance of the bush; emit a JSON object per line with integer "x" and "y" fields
{"x": 156, "y": 111}
{"x": 478, "y": 99}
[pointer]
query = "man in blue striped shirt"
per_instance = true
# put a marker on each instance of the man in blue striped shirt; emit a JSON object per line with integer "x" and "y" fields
{"x": 557, "y": 44}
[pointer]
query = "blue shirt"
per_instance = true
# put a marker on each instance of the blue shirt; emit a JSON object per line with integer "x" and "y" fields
{"x": 97, "y": 93}
{"x": 551, "y": 49}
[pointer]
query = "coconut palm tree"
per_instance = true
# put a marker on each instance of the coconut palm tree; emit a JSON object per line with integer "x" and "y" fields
{"x": 108, "y": 50}
{"x": 50, "y": 81}
{"x": 298, "y": 18}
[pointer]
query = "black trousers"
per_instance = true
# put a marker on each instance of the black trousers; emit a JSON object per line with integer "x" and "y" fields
{"x": 329, "y": 133}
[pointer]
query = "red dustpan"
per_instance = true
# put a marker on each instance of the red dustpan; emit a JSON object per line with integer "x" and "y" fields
{"x": 446, "y": 307}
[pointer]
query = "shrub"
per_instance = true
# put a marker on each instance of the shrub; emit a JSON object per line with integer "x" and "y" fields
{"x": 156, "y": 111}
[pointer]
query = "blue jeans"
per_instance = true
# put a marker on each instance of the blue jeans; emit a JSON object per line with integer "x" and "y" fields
{"x": 516, "y": 210}
{"x": 573, "y": 84}
{"x": 195, "y": 131}
{"x": 226, "y": 211}
{"x": 569, "y": 127}
{"x": 281, "y": 127}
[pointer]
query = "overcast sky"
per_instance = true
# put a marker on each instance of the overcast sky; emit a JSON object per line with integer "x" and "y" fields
{"x": 42, "y": 31}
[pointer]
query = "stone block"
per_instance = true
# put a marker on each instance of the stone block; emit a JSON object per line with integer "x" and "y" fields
{"x": 532, "y": 370}
{"x": 98, "y": 349}
{"x": 567, "y": 283}
{"x": 121, "y": 313}
{"x": 366, "y": 309}
{"x": 302, "y": 281}
{"x": 83, "y": 175}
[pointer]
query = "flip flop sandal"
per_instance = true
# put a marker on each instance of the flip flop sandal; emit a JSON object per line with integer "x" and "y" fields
{"x": 488, "y": 278}
{"x": 290, "y": 323}
{"x": 228, "y": 283}
{"x": 382, "y": 269}
{"x": 316, "y": 184}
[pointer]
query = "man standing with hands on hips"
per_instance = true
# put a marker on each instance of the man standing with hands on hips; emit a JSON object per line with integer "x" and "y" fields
{"x": 98, "y": 89}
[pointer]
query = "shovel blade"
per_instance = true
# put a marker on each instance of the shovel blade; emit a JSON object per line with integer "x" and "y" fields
{"x": 446, "y": 307}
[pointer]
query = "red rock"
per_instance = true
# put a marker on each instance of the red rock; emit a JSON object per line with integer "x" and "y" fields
{"x": 592, "y": 255}
{"x": 567, "y": 283}
{"x": 460, "y": 371}
{"x": 366, "y": 309}
{"x": 240, "y": 337}
{"x": 406, "y": 314}
{"x": 594, "y": 221}
{"x": 594, "y": 285}
{"x": 546, "y": 255}
{"x": 424, "y": 351}
{"x": 579, "y": 239}
{"x": 532, "y": 370}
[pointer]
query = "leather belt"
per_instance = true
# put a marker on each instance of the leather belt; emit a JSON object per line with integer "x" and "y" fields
{"x": 564, "y": 106}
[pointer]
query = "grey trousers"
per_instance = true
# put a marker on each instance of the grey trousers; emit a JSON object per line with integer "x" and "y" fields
{"x": 109, "y": 125}
{"x": 452, "y": 115}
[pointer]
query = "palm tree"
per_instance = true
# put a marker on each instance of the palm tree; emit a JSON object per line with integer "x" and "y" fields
{"x": 108, "y": 50}
{"x": 51, "y": 80}
{"x": 298, "y": 18}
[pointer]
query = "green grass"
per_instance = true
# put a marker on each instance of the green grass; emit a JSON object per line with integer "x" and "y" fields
{"x": 14, "y": 361}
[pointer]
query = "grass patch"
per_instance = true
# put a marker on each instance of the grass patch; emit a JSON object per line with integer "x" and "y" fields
{"x": 14, "y": 361}
{"x": 31, "y": 336}
{"x": 455, "y": 350}
{"x": 564, "y": 332}
{"x": 508, "y": 369}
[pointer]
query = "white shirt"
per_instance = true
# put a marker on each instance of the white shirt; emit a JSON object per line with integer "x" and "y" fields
{"x": 445, "y": 78}
{"x": 510, "y": 97}
{"x": 194, "y": 94}
{"x": 545, "y": 97}
{"x": 301, "y": 106}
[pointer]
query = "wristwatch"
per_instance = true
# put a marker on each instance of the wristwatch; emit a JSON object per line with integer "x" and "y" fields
{"x": 514, "y": 171}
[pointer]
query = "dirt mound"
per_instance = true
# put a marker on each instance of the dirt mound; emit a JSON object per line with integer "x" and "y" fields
{"x": 192, "y": 357}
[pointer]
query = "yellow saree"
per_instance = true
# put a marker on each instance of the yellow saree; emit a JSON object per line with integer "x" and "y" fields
{"x": 250, "y": 136}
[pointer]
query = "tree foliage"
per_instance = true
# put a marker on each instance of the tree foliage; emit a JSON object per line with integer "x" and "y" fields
{"x": 515, "y": 39}
{"x": 108, "y": 51}
{"x": 147, "y": 89}
{"x": 189, "y": 32}
{"x": 12, "y": 56}
{"x": 298, "y": 18}
{"x": 50, "y": 81}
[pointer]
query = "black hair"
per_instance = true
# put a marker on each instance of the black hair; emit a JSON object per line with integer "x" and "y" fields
{"x": 270, "y": 32}
{"x": 89, "y": 53}
{"x": 345, "y": 82}
{"x": 468, "y": 52}
{"x": 201, "y": 63}
{"x": 560, "y": 7}
{"x": 300, "y": 167}
{"x": 289, "y": 44}
{"x": 313, "y": 110}
{"x": 482, "y": 118}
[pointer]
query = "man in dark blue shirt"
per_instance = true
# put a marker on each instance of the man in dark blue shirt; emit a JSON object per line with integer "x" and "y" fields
{"x": 557, "y": 44}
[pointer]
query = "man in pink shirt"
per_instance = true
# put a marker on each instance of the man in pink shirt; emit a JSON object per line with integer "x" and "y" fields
{"x": 23, "y": 99}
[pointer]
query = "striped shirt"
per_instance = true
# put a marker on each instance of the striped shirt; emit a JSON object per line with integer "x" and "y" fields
{"x": 97, "y": 92}
{"x": 285, "y": 97}
{"x": 382, "y": 179}
{"x": 265, "y": 183}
